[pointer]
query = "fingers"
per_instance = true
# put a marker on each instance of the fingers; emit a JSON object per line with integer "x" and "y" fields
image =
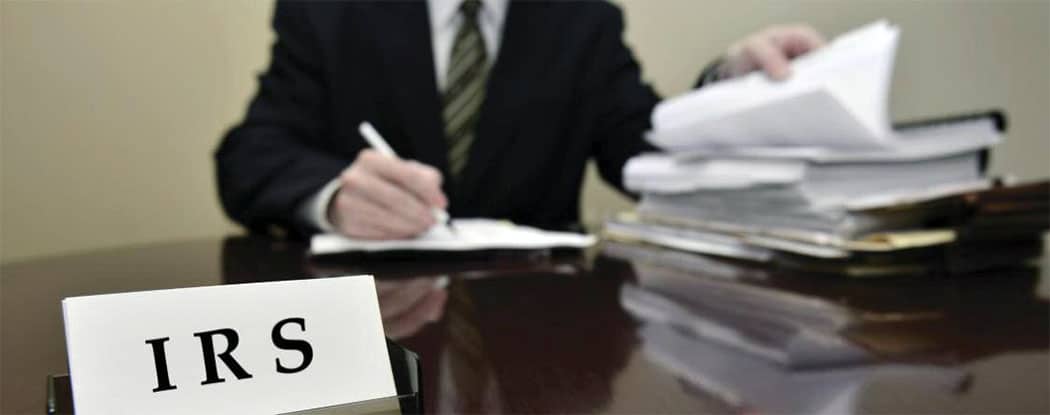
{"x": 398, "y": 202}
{"x": 423, "y": 181}
{"x": 797, "y": 40}
{"x": 386, "y": 198}
{"x": 766, "y": 55}
{"x": 772, "y": 49}
{"x": 359, "y": 217}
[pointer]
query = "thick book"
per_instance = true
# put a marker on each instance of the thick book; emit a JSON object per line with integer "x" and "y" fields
{"x": 956, "y": 156}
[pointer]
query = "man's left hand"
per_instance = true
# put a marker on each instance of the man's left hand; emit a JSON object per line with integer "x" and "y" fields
{"x": 771, "y": 50}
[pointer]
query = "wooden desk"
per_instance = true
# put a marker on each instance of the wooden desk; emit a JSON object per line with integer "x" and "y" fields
{"x": 514, "y": 334}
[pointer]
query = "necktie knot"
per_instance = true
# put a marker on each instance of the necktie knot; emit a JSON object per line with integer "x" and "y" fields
{"x": 470, "y": 8}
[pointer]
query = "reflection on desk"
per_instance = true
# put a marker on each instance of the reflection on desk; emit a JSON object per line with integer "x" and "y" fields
{"x": 537, "y": 324}
{"x": 770, "y": 341}
{"x": 546, "y": 333}
{"x": 756, "y": 385}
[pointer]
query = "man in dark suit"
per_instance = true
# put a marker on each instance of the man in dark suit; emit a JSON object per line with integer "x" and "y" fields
{"x": 494, "y": 106}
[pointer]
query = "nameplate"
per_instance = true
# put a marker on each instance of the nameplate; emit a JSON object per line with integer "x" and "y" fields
{"x": 259, "y": 348}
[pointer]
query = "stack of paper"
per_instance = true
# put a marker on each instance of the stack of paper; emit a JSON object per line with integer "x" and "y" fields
{"x": 944, "y": 232}
{"x": 810, "y": 166}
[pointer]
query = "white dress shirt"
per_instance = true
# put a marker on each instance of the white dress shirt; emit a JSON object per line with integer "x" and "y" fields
{"x": 445, "y": 22}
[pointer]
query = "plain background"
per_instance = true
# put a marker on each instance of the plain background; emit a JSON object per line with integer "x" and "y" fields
{"x": 111, "y": 110}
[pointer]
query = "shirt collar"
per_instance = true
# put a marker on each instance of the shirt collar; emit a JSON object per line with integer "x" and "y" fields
{"x": 442, "y": 12}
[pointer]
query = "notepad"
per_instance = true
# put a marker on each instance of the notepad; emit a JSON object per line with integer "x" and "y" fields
{"x": 465, "y": 235}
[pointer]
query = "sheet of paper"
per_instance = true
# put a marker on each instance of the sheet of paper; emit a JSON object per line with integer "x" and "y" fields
{"x": 835, "y": 98}
{"x": 627, "y": 228}
{"x": 466, "y": 235}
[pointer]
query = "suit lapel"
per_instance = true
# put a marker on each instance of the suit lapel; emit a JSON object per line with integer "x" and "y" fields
{"x": 506, "y": 93}
{"x": 403, "y": 36}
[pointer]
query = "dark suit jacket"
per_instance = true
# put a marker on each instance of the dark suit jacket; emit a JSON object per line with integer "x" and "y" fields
{"x": 563, "y": 90}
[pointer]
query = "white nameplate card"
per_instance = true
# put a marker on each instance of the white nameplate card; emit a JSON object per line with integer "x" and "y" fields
{"x": 262, "y": 348}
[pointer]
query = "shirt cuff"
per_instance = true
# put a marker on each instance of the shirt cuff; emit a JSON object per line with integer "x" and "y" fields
{"x": 314, "y": 210}
{"x": 713, "y": 72}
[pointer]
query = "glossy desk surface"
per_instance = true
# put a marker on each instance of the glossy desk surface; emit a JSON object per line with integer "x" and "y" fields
{"x": 523, "y": 333}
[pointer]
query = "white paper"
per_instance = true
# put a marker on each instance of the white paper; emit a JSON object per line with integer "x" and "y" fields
{"x": 663, "y": 173}
{"x": 466, "y": 235}
{"x": 687, "y": 239}
{"x": 917, "y": 143}
{"x": 836, "y": 98}
{"x": 889, "y": 199}
{"x": 934, "y": 146}
{"x": 112, "y": 368}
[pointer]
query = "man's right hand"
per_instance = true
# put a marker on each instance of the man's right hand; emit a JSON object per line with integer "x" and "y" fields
{"x": 386, "y": 198}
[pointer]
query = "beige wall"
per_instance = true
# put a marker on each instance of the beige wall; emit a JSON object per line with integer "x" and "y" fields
{"x": 110, "y": 113}
{"x": 110, "y": 110}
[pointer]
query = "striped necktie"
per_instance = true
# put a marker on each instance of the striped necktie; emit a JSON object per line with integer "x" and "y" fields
{"x": 467, "y": 74}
